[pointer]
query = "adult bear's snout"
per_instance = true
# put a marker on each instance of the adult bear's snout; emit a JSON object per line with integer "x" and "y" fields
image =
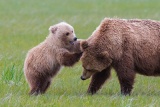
{"x": 82, "y": 78}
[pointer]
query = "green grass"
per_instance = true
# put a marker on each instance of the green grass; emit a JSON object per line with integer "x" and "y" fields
{"x": 25, "y": 23}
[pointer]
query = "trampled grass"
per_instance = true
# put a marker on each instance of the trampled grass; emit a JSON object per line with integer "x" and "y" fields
{"x": 25, "y": 23}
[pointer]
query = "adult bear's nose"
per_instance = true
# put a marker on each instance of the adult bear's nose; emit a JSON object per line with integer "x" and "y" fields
{"x": 82, "y": 78}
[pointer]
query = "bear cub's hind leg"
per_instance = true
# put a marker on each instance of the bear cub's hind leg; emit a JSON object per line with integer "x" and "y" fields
{"x": 39, "y": 86}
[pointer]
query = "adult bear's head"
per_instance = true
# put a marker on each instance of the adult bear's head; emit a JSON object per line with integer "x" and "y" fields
{"x": 93, "y": 59}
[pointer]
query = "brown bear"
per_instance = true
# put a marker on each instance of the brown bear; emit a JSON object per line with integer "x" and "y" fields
{"x": 129, "y": 46}
{"x": 43, "y": 62}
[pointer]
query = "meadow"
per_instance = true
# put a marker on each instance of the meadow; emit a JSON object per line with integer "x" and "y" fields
{"x": 25, "y": 23}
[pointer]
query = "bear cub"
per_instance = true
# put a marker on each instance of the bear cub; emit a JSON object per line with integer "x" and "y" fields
{"x": 43, "y": 61}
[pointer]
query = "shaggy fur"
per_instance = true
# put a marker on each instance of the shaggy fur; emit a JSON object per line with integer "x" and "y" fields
{"x": 129, "y": 46}
{"x": 45, "y": 60}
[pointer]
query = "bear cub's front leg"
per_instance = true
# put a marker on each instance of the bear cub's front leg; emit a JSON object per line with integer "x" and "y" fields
{"x": 67, "y": 58}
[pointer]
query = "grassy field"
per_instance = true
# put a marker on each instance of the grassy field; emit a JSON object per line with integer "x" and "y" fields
{"x": 25, "y": 23}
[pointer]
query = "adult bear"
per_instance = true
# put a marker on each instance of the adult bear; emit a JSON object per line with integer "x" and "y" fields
{"x": 129, "y": 46}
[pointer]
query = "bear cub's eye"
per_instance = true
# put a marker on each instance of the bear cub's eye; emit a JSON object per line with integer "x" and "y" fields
{"x": 67, "y": 33}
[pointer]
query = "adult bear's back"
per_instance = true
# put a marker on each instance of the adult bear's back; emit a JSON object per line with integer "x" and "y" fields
{"x": 146, "y": 51}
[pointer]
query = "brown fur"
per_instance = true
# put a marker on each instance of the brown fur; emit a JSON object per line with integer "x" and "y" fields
{"x": 45, "y": 60}
{"x": 129, "y": 46}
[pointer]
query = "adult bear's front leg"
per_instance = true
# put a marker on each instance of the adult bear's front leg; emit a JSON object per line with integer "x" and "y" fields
{"x": 98, "y": 79}
{"x": 126, "y": 75}
{"x": 126, "y": 82}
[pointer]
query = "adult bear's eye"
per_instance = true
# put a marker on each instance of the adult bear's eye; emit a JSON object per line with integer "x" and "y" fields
{"x": 67, "y": 33}
{"x": 89, "y": 70}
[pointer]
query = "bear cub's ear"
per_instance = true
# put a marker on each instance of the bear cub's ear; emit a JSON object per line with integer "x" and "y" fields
{"x": 83, "y": 45}
{"x": 53, "y": 29}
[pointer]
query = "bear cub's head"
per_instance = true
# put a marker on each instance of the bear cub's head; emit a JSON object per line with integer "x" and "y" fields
{"x": 64, "y": 33}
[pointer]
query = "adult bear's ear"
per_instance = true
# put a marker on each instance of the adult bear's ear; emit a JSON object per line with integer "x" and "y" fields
{"x": 104, "y": 56}
{"x": 53, "y": 29}
{"x": 83, "y": 45}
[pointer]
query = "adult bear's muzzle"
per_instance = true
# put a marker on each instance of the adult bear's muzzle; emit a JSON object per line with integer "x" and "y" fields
{"x": 82, "y": 78}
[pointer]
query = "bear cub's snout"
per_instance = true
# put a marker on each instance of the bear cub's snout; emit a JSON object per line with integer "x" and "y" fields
{"x": 75, "y": 39}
